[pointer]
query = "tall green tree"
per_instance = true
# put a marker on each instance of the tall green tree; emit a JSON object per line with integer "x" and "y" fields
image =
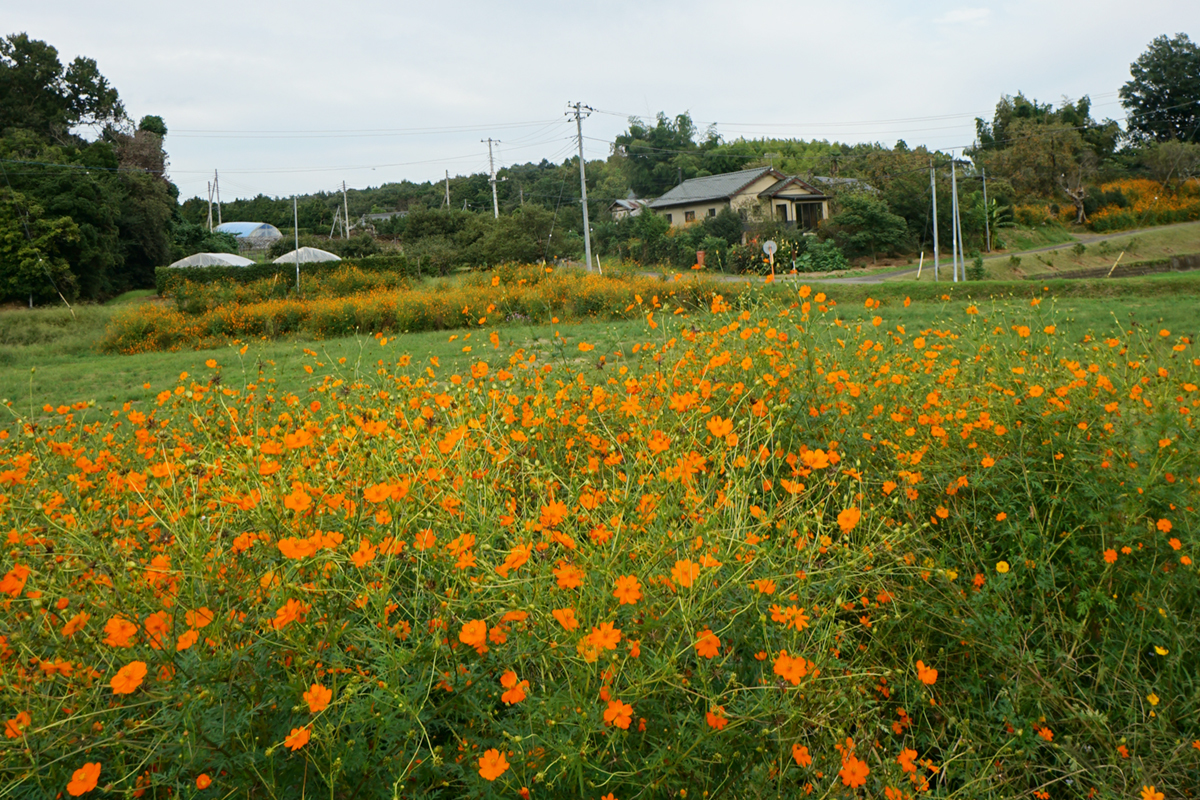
{"x": 37, "y": 92}
{"x": 865, "y": 225}
{"x": 1162, "y": 97}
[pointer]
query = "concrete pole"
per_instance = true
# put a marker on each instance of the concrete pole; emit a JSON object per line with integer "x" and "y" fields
{"x": 587, "y": 229}
{"x": 987, "y": 223}
{"x": 296, "y": 232}
{"x": 346, "y": 207}
{"x": 492, "y": 179}
{"x": 954, "y": 215}
{"x": 933, "y": 191}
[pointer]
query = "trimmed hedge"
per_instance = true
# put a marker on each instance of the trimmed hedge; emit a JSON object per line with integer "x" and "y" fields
{"x": 166, "y": 277}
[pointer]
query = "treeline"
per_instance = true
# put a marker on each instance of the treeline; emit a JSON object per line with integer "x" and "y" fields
{"x": 94, "y": 216}
{"x": 80, "y": 217}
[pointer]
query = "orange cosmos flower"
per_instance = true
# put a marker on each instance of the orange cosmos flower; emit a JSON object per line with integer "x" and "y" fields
{"x": 203, "y": 781}
{"x": 568, "y": 575}
{"x": 1164, "y": 525}
{"x": 318, "y": 698}
{"x": 120, "y": 632}
{"x": 905, "y": 760}
{"x": 790, "y": 669}
{"x": 716, "y": 718}
{"x": 848, "y": 519}
{"x": 474, "y": 633}
{"x": 15, "y": 727}
{"x": 75, "y": 623}
{"x": 84, "y": 779}
{"x": 492, "y": 765}
{"x": 765, "y": 586}
{"x": 1110, "y": 555}
{"x": 128, "y": 678}
{"x": 854, "y": 772}
{"x": 629, "y": 590}
{"x": 1149, "y": 793}
{"x": 718, "y": 427}
{"x": 606, "y": 636}
{"x": 801, "y": 755}
{"x": 926, "y": 675}
{"x": 199, "y": 618}
{"x": 619, "y": 714}
{"x": 516, "y": 689}
{"x": 186, "y": 640}
{"x": 1001, "y": 517}
{"x": 707, "y": 644}
{"x": 298, "y": 500}
{"x": 13, "y": 582}
{"x": 566, "y": 618}
{"x": 685, "y": 572}
{"x": 297, "y": 738}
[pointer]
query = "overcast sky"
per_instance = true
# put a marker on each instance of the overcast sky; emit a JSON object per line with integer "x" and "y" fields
{"x": 298, "y": 96}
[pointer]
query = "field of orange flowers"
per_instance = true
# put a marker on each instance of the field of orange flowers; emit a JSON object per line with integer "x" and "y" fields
{"x": 760, "y": 553}
{"x": 206, "y": 315}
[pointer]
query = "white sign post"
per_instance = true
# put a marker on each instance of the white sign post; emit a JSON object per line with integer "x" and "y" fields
{"x": 769, "y": 247}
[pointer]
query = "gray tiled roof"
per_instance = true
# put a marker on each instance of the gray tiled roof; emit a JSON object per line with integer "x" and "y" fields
{"x": 712, "y": 187}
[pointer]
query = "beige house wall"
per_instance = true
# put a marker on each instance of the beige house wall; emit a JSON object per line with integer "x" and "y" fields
{"x": 746, "y": 201}
{"x": 679, "y": 213}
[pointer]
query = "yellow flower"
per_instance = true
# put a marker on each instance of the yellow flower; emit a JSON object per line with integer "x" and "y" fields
{"x": 1002, "y": 567}
{"x": 1152, "y": 698}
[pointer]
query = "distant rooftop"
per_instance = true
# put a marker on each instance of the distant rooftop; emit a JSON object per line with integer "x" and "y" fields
{"x": 713, "y": 187}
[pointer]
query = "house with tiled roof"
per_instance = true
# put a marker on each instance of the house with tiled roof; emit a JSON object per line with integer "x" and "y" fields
{"x": 759, "y": 193}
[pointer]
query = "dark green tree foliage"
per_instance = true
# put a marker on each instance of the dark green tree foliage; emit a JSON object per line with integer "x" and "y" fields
{"x": 189, "y": 237}
{"x": 865, "y": 225}
{"x": 32, "y": 250}
{"x": 39, "y": 94}
{"x": 1163, "y": 95}
{"x": 1018, "y": 119}
{"x": 661, "y": 156}
{"x": 113, "y": 189}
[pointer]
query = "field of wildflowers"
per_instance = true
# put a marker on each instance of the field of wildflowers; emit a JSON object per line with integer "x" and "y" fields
{"x": 760, "y": 553}
{"x": 352, "y": 301}
{"x": 1147, "y": 203}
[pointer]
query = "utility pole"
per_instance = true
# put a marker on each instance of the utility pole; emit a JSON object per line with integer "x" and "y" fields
{"x": 933, "y": 191}
{"x": 492, "y": 176}
{"x": 954, "y": 215}
{"x": 987, "y": 223}
{"x": 346, "y": 214}
{"x": 447, "y": 188}
{"x": 587, "y": 230}
{"x": 217, "y": 186}
{"x": 210, "y": 196}
{"x": 296, "y": 231}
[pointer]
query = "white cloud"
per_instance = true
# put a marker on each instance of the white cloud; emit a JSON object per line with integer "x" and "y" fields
{"x": 960, "y": 16}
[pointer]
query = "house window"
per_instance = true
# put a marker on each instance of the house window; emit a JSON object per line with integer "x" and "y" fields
{"x": 712, "y": 212}
{"x": 781, "y": 210}
{"x": 810, "y": 214}
{"x": 689, "y": 216}
{"x": 669, "y": 219}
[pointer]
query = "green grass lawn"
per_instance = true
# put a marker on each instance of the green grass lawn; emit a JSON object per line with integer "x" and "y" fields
{"x": 49, "y": 355}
